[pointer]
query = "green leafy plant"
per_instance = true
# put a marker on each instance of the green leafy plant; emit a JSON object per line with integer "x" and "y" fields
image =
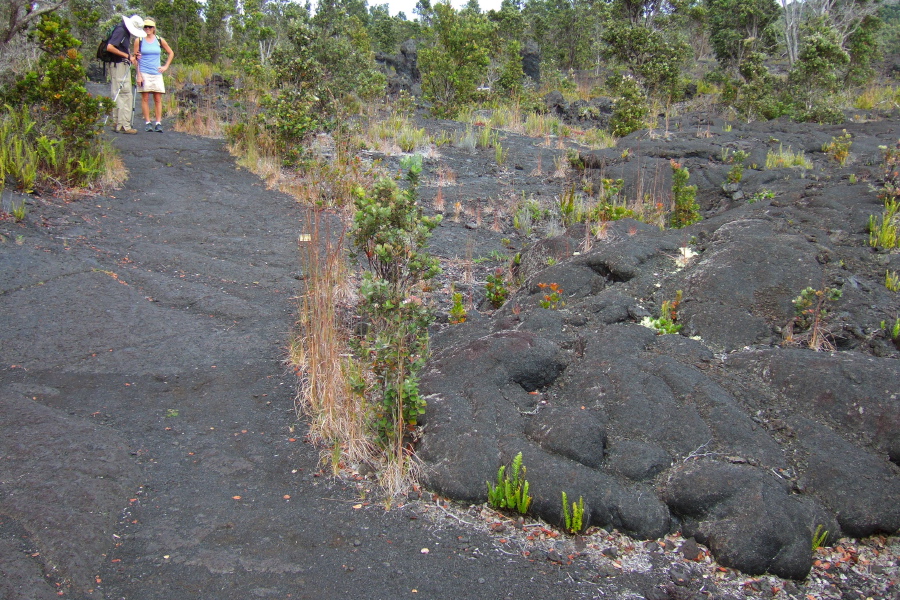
{"x": 54, "y": 135}
{"x": 668, "y": 315}
{"x": 892, "y": 281}
{"x": 458, "y": 312}
{"x": 511, "y": 490}
{"x": 571, "y": 209}
{"x": 553, "y": 296}
{"x": 390, "y": 229}
{"x": 763, "y": 194}
{"x": 893, "y": 331}
{"x": 574, "y": 518}
{"x": 736, "y": 160}
{"x": 685, "y": 210}
{"x": 495, "y": 289}
{"x": 883, "y": 232}
{"x": 839, "y": 148}
{"x": 323, "y": 66}
{"x": 735, "y": 173}
{"x": 631, "y": 110}
{"x": 500, "y": 154}
{"x": 454, "y": 57}
{"x": 18, "y": 211}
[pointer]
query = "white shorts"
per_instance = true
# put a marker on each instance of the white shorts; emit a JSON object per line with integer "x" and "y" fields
{"x": 152, "y": 83}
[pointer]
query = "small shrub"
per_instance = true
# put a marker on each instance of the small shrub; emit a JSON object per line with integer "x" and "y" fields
{"x": 458, "y": 312}
{"x": 811, "y": 310}
{"x": 890, "y": 184}
{"x": 390, "y": 229}
{"x": 668, "y": 315}
{"x": 631, "y": 110}
{"x": 763, "y": 194}
{"x": 553, "y": 296}
{"x": 736, "y": 159}
{"x": 495, "y": 289}
{"x": 735, "y": 173}
{"x": 839, "y": 148}
{"x": 685, "y": 210}
{"x": 511, "y": 490}
{"x": 574, "y": 518}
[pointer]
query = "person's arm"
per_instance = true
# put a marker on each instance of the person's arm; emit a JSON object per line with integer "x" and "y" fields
{"x": 137, "y": 52}
{"x": 169, "y": 55}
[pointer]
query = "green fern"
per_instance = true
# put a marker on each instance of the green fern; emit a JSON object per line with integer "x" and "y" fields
{"x": 819, "y": 537}
{"x": 511, "y": 491}
{"x": 575, "y": 518}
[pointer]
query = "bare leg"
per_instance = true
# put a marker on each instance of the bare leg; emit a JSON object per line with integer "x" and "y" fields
{"x": 145, "y": 106}
{"x": 157, "y": 104}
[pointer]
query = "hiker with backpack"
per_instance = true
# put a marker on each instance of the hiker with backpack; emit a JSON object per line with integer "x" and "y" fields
{"x": 149, "y": 75}
{"x": 118, "y": 46}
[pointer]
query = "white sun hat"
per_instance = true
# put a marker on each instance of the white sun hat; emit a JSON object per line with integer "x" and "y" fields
{"x": 135, "y": 25}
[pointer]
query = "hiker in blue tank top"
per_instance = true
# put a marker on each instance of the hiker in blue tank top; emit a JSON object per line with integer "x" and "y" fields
{"x": 149, "y": 76}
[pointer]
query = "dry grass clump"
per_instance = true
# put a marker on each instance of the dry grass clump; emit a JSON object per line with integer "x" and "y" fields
{"x": 319, "y": 349}
{"x": 114, "y": 172}
{"x": 203, "y": 121}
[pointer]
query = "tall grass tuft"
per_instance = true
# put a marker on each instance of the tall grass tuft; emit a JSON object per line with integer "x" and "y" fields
{"x": 787, "y": 158}
{"x": 319, "y": 348}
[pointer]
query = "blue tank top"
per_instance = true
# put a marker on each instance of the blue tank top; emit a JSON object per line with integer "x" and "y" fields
{"x": 150, "y": 52}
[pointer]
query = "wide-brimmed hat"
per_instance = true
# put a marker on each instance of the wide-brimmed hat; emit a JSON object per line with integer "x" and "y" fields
{"x": 135, "y": 25}
{"x": 149, "y": 23}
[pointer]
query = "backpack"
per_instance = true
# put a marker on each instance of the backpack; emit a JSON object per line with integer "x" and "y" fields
{"x": 104, "y": 55}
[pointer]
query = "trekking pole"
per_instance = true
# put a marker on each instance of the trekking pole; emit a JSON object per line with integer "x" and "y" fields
{"x": 133, "y": 107}
{"x": 116, "y": 97}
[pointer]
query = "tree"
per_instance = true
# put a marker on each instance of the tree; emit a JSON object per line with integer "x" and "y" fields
{"x": 454, "y": 57}
{"x": 650, "y": 54}
{"x": 16, "y": 16}
{"x": 565, "y": 29}
{"x": 844, "y": 16}
{"x": 325, "y": 63}
{"x": 181, "y": 23}
{"x": 738, "y": 27}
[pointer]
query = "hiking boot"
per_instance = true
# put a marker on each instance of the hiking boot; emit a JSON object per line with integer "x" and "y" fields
{"x": 148, "y": 127}
{"x": 126, "y": 130}
{"x": 158, "y": 127}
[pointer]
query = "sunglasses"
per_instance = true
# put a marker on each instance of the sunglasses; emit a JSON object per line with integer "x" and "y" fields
{"x": 149, "y": 27}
